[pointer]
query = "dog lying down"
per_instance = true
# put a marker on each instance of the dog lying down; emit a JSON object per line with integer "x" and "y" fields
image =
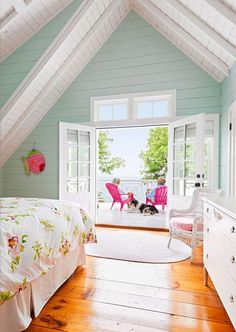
{"x": 145, "y": 209}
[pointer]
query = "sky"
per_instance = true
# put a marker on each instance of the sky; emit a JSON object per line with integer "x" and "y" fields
{"x": 127, "y": 144}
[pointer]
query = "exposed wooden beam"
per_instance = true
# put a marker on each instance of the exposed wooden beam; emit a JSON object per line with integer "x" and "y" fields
{"x": 8, "y": 140}
{"x": 223, "y": 10}
{"x": 19, "y": 5}
{"x": 183, "y": 34}
{"x": 201, "y": 26}
{"x": 172, "y": 40}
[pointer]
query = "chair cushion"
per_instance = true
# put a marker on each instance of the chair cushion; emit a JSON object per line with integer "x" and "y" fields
{"x": 184, "y": 223}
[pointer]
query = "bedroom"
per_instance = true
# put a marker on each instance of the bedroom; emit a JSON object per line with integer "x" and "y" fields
{"x": 49, "y": 75}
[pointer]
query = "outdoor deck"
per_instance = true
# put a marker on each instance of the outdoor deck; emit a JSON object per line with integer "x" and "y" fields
{"x": 115, "y": 217}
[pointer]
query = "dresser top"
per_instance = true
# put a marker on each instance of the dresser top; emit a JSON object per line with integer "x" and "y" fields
{"x": 226, "y": 205}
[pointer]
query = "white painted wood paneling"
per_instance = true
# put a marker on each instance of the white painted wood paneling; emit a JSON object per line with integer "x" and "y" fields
{"x": 16, "y": 28}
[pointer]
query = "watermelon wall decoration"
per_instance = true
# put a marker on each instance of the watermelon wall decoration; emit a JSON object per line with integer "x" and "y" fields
{"x": 34, "y": 162}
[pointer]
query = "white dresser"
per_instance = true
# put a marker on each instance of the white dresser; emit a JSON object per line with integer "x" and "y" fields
{"x": 220, "y": 250}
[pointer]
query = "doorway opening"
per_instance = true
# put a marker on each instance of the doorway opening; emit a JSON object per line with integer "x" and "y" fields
{"x": 137, "y": 156}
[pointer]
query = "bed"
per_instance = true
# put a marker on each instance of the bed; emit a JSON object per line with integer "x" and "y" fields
{"x": 41, "y": 244}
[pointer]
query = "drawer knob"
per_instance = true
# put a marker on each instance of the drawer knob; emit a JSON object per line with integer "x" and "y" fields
{"x": 232, "y": 229}
{"x": 217, "y": 215}
{"x": 231, "y": 298}
{"x": 207, "y": 210}
{"x": 233, "y": 259}
{"x": 208, "y": 230}
{"x": 206, "y": 255}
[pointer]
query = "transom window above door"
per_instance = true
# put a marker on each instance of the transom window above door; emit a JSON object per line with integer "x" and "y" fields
{"x": 141, "y": 106}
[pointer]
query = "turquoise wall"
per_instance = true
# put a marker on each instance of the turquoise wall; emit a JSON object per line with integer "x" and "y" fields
{"x": 136, "y": 58}
{"x": 228, "y": 97}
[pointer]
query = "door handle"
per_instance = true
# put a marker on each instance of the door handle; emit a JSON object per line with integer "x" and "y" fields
{"x": 197, "y": 184}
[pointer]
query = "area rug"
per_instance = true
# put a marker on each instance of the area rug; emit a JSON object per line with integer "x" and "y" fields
{"x": 137, "y": 246}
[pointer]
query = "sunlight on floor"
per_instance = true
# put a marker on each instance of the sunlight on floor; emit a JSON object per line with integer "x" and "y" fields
{"x": 127, "y": 218}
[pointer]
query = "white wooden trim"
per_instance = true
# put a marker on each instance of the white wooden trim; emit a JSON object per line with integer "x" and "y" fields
{"x": 19, "y": 5}
{"x": 11, "y": 148}
{"x": 47, "y": 55}
{"x": 132, "y": 121}
{"x": 172, "y": 40}
{"x": 223, "y": 10}
{"x": 202, "y": 27}
{"x": 232, "y": 109}
{"x": 216, "y": 122}
{"x": 195, "y": 44}
{"x": 11, "y": 17}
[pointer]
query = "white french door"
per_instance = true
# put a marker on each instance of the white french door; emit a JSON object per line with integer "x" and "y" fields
{"x": 77, "y": 171}
{"x": 185, "y": 159}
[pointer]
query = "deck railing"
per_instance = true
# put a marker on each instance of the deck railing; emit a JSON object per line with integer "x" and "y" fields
{"x": 138, "y": 187}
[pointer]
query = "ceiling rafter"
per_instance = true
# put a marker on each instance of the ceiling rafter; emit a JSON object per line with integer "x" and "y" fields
{"x": 46, "y": 56}
{"x": 171, "y": 39}
{"x": 183, "y": 34}
{"x": 19, "y": 5}
{"x": 201, "y": 26}
{"x": 13, "y": 14}
{"x": 52, "y": 83}
{"x": 223, "y": 10}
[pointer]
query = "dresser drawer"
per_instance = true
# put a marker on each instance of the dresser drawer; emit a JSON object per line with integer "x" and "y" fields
{"x": 223, "y": 283}
{"x": 223, "y": 249}
{"x": 213, "y": 217}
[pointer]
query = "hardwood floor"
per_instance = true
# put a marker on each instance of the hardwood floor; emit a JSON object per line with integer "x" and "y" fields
{"x": 113, "y": 295}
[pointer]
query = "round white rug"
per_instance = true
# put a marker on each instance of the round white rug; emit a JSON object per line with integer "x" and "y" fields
{"x": 137, "y": 246}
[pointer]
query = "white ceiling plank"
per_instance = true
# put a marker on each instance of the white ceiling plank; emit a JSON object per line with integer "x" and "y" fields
{"x": 19, "y": 5}
{"x": 173, "y": 39}
{"x": 7, "y": 24}
{"x": 201, "y": 26}
{"x": 223, "y": 10}
{"x": 38, "y": 110}
{"x": 185, "y": 35}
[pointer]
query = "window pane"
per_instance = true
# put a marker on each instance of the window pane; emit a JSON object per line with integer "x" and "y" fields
{"x": 72, "y": 136}
{"x": 178, "y": 186}
{"x": 72, "y": 153}
{"x": 144, "y": 109}
{"x": 72, "y": 186}
{"x": 160, "y": 108}
{"x": 190, "y": 169}
{"x": 189, "y": 187}
{"x": 84, "y": 185}
{"x": 120, "y": 112}
{"x": 104, "y": 112}
{"x": 179, "y": 134}
{"x": 84, "y": 169}
{"x": 190, "y": 151}
{"x": 84, "y": 153}
{"x": 190, "y": 131}
{"x": 84, "y": 137}
{"x": 72, "y": 169}
{"x": 179, "y": 152}
{"x": 178, "y": 170}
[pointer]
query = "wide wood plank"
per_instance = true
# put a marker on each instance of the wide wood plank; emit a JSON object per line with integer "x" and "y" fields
{"x": 68, "y": 314}
{"x": 112, "y": 295}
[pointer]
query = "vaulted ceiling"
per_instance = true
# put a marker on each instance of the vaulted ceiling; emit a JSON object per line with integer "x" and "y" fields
{"x": 205, "y": 30}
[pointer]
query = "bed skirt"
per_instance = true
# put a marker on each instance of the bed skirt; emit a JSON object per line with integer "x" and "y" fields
{"x": 15, "y": 314}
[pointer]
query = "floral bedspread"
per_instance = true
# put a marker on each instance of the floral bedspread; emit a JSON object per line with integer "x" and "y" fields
{"x": 34, "y": 234}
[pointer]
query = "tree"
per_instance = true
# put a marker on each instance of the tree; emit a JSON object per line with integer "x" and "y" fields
{"x": 155, "y": 157}
{"x": 107, "y": 163}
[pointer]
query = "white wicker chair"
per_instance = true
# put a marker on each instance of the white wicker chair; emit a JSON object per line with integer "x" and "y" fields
{"x": 187, "y": 225}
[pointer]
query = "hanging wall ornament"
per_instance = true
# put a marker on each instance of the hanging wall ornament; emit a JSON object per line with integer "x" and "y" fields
{"x": 34, "y": 162}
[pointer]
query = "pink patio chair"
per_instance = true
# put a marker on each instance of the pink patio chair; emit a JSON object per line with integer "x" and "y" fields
{"x": 160, "y": 197}
{"x": 117, "y": 196}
